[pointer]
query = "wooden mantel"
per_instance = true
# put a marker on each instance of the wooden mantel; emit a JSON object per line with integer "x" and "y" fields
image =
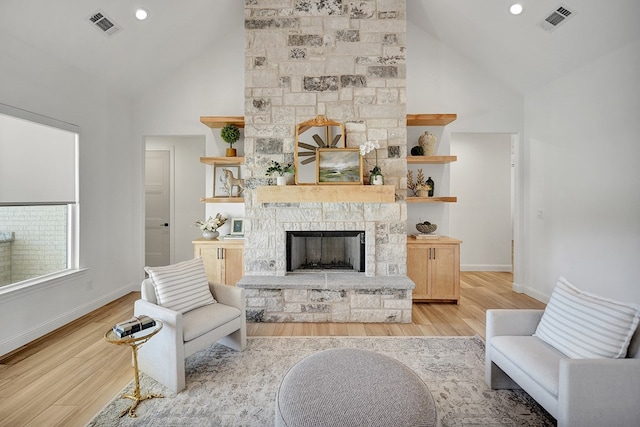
{"x": 326, "y": 193}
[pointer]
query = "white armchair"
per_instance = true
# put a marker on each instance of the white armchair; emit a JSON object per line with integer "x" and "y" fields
{"x": 577, "y": 392}
{"x": 163, "y": 357}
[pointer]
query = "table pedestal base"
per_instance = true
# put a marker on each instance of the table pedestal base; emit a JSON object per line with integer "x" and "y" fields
{"x": 136, "y": 400}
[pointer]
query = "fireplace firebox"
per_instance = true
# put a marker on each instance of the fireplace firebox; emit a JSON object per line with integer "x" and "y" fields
{"x": 325, "y": 250}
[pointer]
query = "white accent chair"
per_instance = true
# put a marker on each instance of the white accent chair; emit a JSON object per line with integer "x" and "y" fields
{"x": 577, "y": 392}
{"x": 163, "y": 357}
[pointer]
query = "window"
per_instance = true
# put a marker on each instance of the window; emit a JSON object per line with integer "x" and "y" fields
{"x": 38, "y": 197}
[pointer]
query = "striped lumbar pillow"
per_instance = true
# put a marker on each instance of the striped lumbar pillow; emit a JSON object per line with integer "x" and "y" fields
{"x": 181, "y": 287}
{"x": 585, "y": 326}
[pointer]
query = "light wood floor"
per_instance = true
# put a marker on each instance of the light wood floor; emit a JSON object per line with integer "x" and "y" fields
{"x": 67, "y": 377}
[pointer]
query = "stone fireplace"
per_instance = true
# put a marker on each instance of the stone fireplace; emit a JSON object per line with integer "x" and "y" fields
{"x": 344, "y": 60}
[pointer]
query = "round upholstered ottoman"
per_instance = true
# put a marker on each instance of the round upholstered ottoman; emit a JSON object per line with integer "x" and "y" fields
{"x": 352, "y": 387}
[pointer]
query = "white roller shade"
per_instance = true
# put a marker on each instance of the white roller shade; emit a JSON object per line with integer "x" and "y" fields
{"x": 37, "y": 161}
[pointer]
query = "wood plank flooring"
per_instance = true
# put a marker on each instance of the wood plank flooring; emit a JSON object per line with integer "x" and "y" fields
{"x": 66, "y": 377}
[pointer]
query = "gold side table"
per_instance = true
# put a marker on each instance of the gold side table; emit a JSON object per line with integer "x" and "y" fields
{"x": 135, "y": 341}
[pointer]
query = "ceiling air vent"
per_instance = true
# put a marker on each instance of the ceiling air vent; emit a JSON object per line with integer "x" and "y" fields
{"x": 103, "y": 23}
{"x": 559, "y": 16}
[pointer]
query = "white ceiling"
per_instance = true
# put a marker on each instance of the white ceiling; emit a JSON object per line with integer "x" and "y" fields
{"x": 512, "y": 48}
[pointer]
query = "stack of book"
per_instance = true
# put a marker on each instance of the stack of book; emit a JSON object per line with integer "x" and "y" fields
{"x": 134, "y": 325}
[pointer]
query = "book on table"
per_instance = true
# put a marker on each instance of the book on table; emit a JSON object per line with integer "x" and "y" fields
{"x": 131, "y": 326}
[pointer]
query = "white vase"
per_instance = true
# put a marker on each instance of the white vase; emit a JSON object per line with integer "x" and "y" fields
{"x": 377, "y": 180}
{"x": 210, "y": 235}
{"x": 281, "y": 180}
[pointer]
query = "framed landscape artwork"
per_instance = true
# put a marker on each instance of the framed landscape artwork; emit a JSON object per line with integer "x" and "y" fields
{"x": 338, "y": 166}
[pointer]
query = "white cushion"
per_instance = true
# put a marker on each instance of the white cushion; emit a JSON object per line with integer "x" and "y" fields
{"x": 586, "y": 326}
{"x": 204, "y": 319}
{"x": 534, "y": 357}
{"x": 181, "y": 287}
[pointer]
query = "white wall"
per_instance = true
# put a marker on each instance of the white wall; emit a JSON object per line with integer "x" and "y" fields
{"x": 188, "y": 187}
{"x": 481, "y": 179}
{"x": 439, "y": 80}
{"x": 582, "y": 170}
{"x": 210, "y": 85}
{"x": 110, "y": 244}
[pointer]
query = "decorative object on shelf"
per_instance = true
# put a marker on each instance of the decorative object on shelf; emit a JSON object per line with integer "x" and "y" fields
{"x": 426, "y": 227}
{"x": 417, "y": 151}
{"x": 281, "y": 170}
{"x": 418, "y": 186}
{"x": 428, "y": 143}
{"x": 338, "y": 166}
{"x": 430, "y": 186}
{"x": 237, "y": 227}
{"x": 230, "y": 134}
{"x": 375, "y": 174}
{"x": 231, "y": 182}
{"x": 210, "y": 227}
{"x": 226, "y": 179}
{"x": 312, "y": 135}
{"x": 210, "y": 235}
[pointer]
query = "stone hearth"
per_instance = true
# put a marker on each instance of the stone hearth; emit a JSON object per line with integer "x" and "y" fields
{"x": 327, "y": 297}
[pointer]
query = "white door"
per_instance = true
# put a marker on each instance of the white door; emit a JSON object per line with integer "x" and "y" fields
{"x": 157, "y": 208}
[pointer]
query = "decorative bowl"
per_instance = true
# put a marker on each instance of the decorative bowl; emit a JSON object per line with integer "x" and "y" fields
{"x": 426, "y": 229}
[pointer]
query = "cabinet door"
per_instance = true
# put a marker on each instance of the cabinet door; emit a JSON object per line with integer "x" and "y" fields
{"x": 418, "y": 270}
{"x": 212, "y": 264}
{"x": 233, "y": 265}
{"x": 444, "y": 272}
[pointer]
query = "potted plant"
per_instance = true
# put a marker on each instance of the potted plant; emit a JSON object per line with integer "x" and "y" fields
{"x": 281, "y": 170}
{"x": 375, "y": 174}
{"x": 230, "y": 134}
{"x": 210, "y": 227}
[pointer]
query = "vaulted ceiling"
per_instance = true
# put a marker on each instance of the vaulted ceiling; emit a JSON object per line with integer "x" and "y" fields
{"x": 512, "y": 48}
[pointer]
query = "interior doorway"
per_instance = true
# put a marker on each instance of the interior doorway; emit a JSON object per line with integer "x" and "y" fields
{"x": 170, "y": 231}
{"x": 157, "y": 224}
{"x": 483, "y": 179}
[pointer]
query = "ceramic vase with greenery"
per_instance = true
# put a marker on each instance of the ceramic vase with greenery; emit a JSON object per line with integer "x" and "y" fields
{"x": 280, "y": 170}
{"x": 230, "y": 134}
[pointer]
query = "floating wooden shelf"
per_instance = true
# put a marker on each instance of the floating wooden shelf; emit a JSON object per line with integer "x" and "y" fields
{"x": 430, "y": 119}
{"x": 222, "y": 160}
{"x": 430, "y": 159}
{"x": 222, "y": 199}
{"x": 326, "y": 193}
{"x": 447, "y": 199}
{"x": 222, "y": 121}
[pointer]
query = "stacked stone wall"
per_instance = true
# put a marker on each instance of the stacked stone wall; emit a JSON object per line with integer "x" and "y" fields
{"x": 344, "y": 60}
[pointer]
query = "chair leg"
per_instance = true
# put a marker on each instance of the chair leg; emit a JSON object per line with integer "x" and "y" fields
{"x": 236, "y": 340}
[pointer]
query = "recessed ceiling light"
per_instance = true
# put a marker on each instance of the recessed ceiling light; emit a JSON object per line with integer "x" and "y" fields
{"x": 141, "y": 14}
{"x": 516, "y": 9}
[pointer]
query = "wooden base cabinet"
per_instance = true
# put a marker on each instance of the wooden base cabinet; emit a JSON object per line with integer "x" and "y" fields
{"x": 434, "y": 266}
{"x": 223, "y": 259}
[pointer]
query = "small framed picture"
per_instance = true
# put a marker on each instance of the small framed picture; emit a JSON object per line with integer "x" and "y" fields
{"x": 222, "y": 177}
{"x": 237, "y": 226}
{"x": 338, "y": 166}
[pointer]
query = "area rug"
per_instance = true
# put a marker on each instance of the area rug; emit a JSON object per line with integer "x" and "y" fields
{"x": 229, "y": 388}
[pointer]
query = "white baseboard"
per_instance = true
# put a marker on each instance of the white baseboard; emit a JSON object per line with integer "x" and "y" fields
{"x": 486, "y": 267}
{"x": 63, "y": 319}
{"x": 533, "y": 293}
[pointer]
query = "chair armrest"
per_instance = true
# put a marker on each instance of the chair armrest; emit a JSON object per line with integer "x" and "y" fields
{"x": 172, "y": 320}
{"x": 512, "y": 322}
{"x": 599, "y": 392}
{"x": 228, "y": 295}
